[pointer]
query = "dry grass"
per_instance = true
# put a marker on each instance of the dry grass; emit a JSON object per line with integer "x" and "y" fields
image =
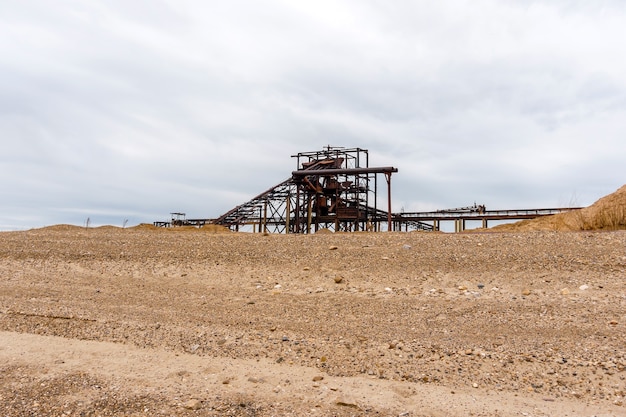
{"x": 608, "y": 213}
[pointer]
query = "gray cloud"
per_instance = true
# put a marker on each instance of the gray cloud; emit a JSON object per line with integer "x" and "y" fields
{"x": 115, "y": 110}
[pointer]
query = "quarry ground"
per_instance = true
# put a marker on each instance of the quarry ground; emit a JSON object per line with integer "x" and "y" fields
{"x": 177, "y": 322}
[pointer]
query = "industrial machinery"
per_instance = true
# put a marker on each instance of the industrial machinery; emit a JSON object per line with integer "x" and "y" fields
{"x": 333, "y": 189}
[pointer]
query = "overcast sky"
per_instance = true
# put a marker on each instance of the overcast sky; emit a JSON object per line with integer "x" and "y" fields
{"x": 128, "y": 110}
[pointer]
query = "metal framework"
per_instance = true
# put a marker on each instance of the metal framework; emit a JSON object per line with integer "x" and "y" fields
{"x": 334, "y": 189}
{"x": 460, "y": 216}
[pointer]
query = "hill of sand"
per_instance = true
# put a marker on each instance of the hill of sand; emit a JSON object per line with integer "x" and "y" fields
{"x": 608, "y": 213}
{"x": 151, "y": 321}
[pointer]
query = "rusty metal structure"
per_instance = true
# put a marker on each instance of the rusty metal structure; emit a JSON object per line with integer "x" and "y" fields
{"x": 334, "y": 189}
{"x": 476, "y": 213}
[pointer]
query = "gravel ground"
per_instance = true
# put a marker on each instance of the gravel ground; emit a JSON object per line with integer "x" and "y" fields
{"x": 144, "y": 321}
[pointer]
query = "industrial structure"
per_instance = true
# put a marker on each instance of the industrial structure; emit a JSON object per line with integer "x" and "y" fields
{"x": 336, "y": 189}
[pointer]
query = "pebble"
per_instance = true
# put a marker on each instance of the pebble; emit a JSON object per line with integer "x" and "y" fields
{"x": 583, "y": 287}
{"x": 564, "y": 291}
{"x": 333, "y": 248}
{"x": 338, "y": 279}
{"x": 526, "y": 291}
{"x": 318, "y": 378}
{"x": 193, "y": 404}
{"x": 346, "y": 402}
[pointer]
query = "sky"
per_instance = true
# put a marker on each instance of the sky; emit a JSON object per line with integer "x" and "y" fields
{"x": 119, "y": 112}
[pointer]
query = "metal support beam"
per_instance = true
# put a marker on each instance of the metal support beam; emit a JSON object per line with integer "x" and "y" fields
{"x": 388, "y": 178}
{"x": 288, "y": 213}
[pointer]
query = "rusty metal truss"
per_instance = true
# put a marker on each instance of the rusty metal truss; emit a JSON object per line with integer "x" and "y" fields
{"x": 334, "y": 189}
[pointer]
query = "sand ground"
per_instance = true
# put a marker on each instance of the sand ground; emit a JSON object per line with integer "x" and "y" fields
{"x": 143, "y": 322}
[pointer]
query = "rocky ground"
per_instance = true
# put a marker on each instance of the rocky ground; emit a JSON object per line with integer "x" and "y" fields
{"x": 181, "y": 322}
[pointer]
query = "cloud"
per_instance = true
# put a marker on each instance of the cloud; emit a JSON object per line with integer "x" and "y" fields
{"x": 151, "y": 107}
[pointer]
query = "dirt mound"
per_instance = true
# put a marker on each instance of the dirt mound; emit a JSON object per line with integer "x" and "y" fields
{"x": 215, "y": 228}
{"x": 207, "y": 228}
{"x": 60, "y": 228}
{"x": 144, "y": 226}
{"x": 608, "y": 213}
{"x": 108, "y": 227}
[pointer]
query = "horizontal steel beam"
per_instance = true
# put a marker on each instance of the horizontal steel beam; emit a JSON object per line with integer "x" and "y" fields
{"x": 343, "y": 171}
{"x": 488, "y": 214}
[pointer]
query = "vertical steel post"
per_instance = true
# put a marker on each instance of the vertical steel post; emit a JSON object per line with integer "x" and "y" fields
{"x": 309, "y": 214}
{"x": 288, "y": 214}
{"x": 298, "y": 230}
{"x": 265, "y": 217}
{"x": 388, "y": 178}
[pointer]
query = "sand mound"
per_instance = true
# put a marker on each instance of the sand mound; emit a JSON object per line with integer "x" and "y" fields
{"x": 608, "y": 213}
{"x": 108, "y": 227}
{"x": 60, "y": 228}
{"x": 215, "y": 228}
{"x": 144, "y": 226}
{"x": 207, "y": 228}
